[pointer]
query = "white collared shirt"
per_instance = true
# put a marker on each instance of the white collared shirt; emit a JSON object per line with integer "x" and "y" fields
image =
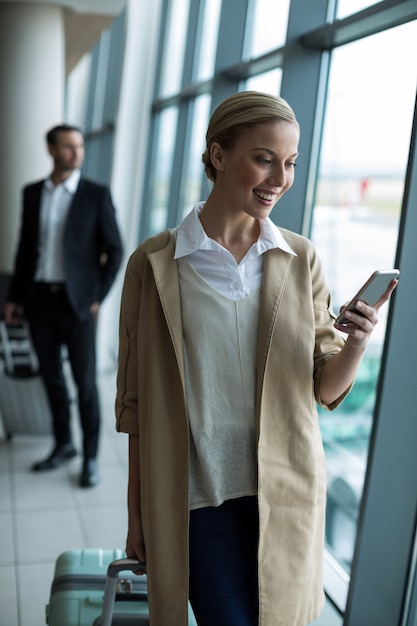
{"x": 54, "y": 208}
{"x": 217, "y": 266}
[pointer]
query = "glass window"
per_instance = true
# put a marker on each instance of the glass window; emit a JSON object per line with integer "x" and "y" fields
{"x": 174, "y": 48}
{"x": 355, "y": 228}
{"x": 195, "y": 173}
{"x": 266, "y": 27}
{"x": 161, "y": 176}
{"x": 268, "y": 82}
{"x": 349, "y": 7}
{"x": 209, "y": 39}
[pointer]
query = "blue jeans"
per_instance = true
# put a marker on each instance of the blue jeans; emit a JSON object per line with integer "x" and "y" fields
{"x": 224, "y": 563}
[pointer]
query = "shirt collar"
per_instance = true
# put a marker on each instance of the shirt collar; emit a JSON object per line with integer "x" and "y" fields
{"x": 192, "y": 237}
{"x": 70, "y": 184}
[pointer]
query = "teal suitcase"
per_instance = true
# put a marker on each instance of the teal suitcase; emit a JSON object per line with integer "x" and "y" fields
{"x": 98, "y": 588}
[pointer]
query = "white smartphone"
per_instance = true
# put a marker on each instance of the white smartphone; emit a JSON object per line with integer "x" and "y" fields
{"x": 370, "y": 292}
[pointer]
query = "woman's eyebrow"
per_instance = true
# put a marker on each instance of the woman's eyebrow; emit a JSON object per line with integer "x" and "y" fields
{"x": 292, "y": 156}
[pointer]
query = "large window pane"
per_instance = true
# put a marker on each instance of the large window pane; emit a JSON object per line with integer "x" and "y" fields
{"x": 209, "y": 38}
{"x": 161, "y": 177}
{"x": 267, "y": 26}
{"x": 355, "y": 228}
{"x": 174, "y": 48}
{"x": 349, "y": 7}
{"x": 195, "y": 172}
{"x": 268, "y": 82}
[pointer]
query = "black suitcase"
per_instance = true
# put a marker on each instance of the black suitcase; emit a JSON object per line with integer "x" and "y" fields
{"x": 24, "y": 407}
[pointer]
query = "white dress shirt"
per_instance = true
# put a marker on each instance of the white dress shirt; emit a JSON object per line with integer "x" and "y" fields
{"x": 216, "y": 265}
{"x": 54, "y": 208}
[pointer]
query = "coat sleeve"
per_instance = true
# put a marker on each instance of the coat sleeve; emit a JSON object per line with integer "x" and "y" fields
{"x": 328, "y": 341}
{"x": 127, "y": 419}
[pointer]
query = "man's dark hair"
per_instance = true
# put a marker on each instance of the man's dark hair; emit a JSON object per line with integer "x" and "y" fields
{"x": 52, "y": 135}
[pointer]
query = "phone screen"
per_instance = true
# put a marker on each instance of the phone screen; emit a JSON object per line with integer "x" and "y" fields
{"x": 371, "y": 291}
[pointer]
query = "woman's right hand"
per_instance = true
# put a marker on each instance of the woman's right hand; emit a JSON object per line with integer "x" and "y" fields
{"x": 135, "y": 546}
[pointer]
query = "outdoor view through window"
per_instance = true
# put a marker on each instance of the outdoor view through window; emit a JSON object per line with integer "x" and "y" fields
{"x": 355, "y": 228}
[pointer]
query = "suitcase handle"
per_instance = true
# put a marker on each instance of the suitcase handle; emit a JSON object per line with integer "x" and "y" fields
{"x": 110, "y": 589}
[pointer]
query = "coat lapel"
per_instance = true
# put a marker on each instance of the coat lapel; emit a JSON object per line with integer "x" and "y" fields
{"x": 165, "y": 271}
{"x": 275, "y": 272}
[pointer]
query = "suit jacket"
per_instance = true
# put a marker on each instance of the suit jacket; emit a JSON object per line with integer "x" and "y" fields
{"x": 295, "y": 338}
{"x": 92, "y": 247}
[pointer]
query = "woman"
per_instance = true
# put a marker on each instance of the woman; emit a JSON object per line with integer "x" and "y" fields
{"x": 227, "y": 341}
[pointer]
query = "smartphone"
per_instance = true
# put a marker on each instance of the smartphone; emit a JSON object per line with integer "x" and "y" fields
{"x": 370, "y": 292}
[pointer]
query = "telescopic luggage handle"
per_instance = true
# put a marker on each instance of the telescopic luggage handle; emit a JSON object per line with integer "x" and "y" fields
{"x": 113, "y": 570}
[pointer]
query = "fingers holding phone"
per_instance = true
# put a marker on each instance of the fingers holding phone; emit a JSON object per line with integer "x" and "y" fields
{"x": 359, "y": 316}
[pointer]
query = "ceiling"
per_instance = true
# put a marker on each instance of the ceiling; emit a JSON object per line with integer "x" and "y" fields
{"x": 84, "y": 22}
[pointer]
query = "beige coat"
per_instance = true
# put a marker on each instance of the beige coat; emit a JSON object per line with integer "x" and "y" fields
{"x": 296, "y": 336}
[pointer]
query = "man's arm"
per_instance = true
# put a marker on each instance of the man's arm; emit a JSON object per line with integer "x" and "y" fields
{"x": 111, "y": 243}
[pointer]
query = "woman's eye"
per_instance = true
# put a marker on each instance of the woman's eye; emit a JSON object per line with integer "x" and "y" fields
{"x": 292, "y": 164}
{"x": 263, "y": 161}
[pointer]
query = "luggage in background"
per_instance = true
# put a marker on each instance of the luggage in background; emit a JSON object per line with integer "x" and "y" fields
{"x": 87, "y": 590}
{"x": 24, "y": 407}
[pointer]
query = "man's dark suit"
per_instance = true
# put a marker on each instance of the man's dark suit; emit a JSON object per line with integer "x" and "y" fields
{"x": 60, "y": 314}
{"x": 90, "y": 232}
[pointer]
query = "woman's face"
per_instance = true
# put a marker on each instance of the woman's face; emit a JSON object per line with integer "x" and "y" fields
{"x": 259, "y": 169}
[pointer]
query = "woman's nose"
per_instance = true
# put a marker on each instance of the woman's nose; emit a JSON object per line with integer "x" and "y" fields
{"x": 278, "y": 177}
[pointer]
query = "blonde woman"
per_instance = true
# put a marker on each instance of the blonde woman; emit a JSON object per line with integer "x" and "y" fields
{"x": 227, "y": 341}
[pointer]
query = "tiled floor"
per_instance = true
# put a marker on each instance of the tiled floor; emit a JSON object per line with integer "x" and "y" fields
{"x": 42, "y": 515}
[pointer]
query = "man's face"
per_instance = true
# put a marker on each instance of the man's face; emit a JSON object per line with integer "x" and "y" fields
{"x": 68, "y": 152}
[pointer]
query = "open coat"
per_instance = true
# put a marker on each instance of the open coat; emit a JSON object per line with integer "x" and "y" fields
{"x": 296, "y": 336}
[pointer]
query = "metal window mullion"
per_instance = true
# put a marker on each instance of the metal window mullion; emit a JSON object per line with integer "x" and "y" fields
{"x": 229, "y": 49}
{"x": 162, "y": 36}
{"x": 304, "y": 86}
{"x": 374, "y": 19}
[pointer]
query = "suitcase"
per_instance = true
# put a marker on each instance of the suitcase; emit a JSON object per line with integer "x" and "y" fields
{"x": 24, "y": 407}
{"x": 87, "y": 590}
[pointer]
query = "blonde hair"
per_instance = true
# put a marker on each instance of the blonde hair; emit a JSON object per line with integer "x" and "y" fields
{"x": 238, "y": 111}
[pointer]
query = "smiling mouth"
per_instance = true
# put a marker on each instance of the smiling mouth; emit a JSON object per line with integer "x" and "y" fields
{"x": 263, "y": 195}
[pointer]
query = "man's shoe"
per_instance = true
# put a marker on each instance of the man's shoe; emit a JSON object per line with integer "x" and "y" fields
{"x": 89, "y": 476}
{"x": 58, "y": 456}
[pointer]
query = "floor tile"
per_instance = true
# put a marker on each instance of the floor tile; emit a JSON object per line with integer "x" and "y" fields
{"x": 47, "y": 490}
{"x": 105, "y": 526}
{"x": 5, "y": 493}
{"x": 4, "y": 453}
{"x": 7, "y": 543}
{"x": 42, "y": 536}
{"x": 8, "y": 597}
{"x": 112, "y": 489}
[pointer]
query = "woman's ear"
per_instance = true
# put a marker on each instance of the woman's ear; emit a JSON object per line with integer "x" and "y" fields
{"x": 216, "y": 156}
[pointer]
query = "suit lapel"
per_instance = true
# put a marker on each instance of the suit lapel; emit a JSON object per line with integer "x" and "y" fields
{"x": 75, "y": 203}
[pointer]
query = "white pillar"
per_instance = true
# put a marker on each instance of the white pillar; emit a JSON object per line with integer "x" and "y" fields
{"x": 32, "y": 79}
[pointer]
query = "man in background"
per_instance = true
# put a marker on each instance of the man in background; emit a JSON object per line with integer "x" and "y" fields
{"x": 67, "y": 259}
